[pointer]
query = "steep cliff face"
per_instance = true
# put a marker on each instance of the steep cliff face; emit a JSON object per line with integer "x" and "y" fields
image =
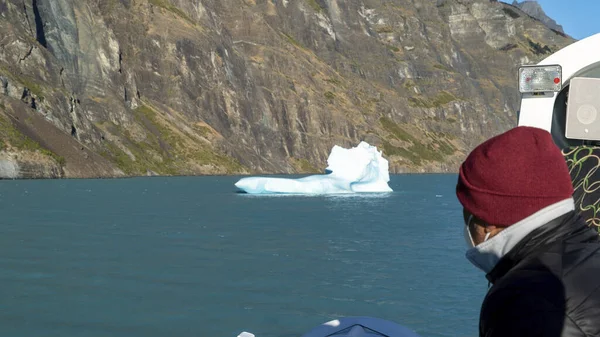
{"x": 129, "y": 87}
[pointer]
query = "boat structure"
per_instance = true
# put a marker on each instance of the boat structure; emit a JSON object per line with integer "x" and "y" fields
{"x": 359, "y": 326}
{"x": 561, "y": 94}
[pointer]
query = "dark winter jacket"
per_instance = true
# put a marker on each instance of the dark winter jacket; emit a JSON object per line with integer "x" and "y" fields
{"x": 547, "y": 285}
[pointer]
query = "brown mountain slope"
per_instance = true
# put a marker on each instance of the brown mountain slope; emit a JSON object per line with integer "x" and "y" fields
{"x": 251, "y": 86}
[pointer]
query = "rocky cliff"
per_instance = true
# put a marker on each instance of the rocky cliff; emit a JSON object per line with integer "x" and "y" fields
{"x": 535, "y": 10}
{"x": 177, "y": 87}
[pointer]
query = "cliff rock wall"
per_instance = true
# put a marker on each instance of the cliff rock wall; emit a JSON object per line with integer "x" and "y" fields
{"x": 177, "y": 87}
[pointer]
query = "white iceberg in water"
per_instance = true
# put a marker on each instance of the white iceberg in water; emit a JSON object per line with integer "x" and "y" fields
{"x": 359, "y": 169}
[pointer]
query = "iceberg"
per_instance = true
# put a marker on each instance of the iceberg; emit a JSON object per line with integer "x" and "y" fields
{"x": 358, "y": 169}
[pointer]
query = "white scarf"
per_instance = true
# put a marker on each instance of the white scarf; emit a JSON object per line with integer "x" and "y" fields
{"x": 486, "y": 255}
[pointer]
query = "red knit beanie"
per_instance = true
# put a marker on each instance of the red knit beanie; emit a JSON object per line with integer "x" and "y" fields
{"x": 512, "y": 176}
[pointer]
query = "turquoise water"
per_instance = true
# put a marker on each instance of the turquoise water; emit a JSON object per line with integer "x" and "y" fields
{"x": 191, "y": 257}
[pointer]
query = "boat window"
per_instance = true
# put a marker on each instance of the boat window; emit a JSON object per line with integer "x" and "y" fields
{"x": 593, "y": 72}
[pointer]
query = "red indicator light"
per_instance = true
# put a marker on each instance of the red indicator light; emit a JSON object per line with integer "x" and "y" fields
{"x": 556, "y": 80}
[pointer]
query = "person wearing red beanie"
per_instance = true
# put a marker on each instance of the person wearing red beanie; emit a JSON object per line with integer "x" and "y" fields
{"x": 523, "y": 232}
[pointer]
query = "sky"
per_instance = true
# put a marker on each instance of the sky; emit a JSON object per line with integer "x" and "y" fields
{"x": 579, "y": 18}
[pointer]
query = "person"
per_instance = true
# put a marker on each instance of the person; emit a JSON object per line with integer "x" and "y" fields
{"x": 540, "y": 257}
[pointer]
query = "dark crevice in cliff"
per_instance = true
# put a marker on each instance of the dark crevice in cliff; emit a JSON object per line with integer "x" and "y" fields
{"x": 4, "y": 82}
{"x": 27, "y": 18}
{"x": 26, "y": 55}
{"x": 28, "y": 99}
{"x": 62, "y": 80}
{"x": 120, "y": 62}
{"x": 73, "y": 102}
{"x": 39, "y": 26}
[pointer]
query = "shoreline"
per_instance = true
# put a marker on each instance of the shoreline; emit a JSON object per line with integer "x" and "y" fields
{"x": 208, "y": 175}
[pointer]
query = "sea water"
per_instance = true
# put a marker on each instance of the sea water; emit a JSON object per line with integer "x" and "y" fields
{"x": 190, "y": 256}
